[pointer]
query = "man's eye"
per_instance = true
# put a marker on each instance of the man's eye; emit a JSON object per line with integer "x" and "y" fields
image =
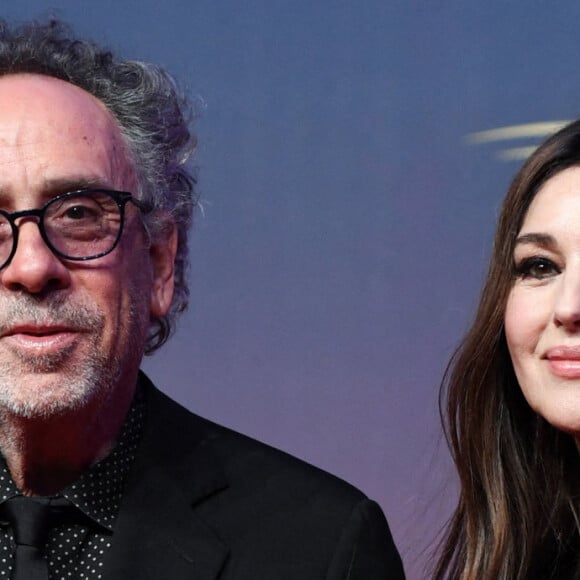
{"x": 536, "y": 268}
{"x": 74, "y": 212}
{"x": 78, "y": 212}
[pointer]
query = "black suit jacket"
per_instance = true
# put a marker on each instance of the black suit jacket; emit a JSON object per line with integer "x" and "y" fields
{"x": 206, "y": 503}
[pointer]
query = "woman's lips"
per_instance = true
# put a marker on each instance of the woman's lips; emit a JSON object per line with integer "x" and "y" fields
{"x": 564, "y": 361}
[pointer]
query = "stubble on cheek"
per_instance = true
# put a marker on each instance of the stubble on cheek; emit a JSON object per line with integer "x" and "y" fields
{"x": 39, "y": 384}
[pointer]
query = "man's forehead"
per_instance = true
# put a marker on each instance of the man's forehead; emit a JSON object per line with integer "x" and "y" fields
{"x": 31, "y": 98}
{"x": 45, "y": 87}
{"x": 62, "y": 137}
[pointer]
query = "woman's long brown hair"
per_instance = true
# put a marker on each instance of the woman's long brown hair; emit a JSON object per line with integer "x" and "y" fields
{"x": 516, "y": 516}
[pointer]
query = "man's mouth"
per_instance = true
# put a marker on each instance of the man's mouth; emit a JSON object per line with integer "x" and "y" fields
{"x": 41, "y": 338}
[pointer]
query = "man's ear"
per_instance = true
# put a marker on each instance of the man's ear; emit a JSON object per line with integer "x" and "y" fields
{"x": 162, "y": 252}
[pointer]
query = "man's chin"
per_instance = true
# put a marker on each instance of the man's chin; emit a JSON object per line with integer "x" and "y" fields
{"x": 42, "y": 362}
{"x": 47, "y": 397}
{"x": 50, "y": 386}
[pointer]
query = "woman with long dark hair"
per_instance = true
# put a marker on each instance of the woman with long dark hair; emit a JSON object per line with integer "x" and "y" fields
{"x": 510, "y": 398}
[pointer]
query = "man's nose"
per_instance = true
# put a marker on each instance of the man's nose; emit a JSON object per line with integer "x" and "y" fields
{"x": 34, "y": 268}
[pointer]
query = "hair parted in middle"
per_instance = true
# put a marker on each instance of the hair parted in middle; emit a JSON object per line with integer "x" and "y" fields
{"x": 518, "y": 474}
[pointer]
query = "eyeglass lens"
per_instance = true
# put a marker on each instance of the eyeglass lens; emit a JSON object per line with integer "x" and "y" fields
{"x": 81, "y": 225}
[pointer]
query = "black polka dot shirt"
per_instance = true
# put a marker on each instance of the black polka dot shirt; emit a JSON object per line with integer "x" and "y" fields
{"x": 77, "y": 551}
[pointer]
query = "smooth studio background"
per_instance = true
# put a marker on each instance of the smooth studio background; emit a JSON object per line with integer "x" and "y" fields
{"x": 347, "y": 220}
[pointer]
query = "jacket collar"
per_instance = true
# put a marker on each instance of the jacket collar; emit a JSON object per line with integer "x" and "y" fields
{"x": 158, "y": 533}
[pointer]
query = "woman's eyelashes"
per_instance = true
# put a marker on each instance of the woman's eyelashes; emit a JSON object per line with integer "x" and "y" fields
{"x": 536, "y": 268}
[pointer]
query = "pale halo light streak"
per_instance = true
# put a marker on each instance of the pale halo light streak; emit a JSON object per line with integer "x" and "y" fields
{"x": 516, "y": 153}
{"x": 540, "y": 129}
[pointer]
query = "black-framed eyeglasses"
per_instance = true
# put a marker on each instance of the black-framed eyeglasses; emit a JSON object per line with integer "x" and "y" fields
{"x": 79, "y": 225}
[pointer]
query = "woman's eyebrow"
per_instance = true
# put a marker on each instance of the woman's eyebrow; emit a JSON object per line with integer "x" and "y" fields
{"x": 544, "y": 240}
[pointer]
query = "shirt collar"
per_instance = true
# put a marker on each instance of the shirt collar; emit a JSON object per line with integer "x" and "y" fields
{"x": 98, "y": 491}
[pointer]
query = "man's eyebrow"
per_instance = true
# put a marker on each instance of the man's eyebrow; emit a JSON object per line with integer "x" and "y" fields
{"x": 73, "y": 183}
{"x": 543, "y": 240}
{"x": 56, "y": 186}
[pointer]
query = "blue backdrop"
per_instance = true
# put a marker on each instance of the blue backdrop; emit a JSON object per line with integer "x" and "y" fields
{"x": 347, "y": 214}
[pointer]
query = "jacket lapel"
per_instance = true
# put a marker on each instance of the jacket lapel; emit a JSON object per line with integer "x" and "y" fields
{"x": 157, "y": 533}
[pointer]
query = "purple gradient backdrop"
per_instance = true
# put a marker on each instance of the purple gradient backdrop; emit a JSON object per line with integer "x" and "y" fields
{"x": 346, "y": 222}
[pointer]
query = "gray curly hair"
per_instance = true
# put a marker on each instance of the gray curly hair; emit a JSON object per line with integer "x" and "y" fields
{"x": 153, "y": 117}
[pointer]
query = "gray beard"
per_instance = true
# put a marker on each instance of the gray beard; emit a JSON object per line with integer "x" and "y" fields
{"x": 73, "y": 387}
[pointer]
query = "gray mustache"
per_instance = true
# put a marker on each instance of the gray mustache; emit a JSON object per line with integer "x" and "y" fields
{"x": 28, "y": 310}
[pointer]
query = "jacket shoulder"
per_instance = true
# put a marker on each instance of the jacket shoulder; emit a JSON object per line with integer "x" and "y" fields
{"x": 247, "y": 462}
{"x": 280, "y": 516}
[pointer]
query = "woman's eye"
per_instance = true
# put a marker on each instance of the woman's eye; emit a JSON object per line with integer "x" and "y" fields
{"x": 537, "y": 268}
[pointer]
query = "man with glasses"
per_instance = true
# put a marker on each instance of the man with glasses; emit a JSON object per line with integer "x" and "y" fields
{"x": 101, "y": 475}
